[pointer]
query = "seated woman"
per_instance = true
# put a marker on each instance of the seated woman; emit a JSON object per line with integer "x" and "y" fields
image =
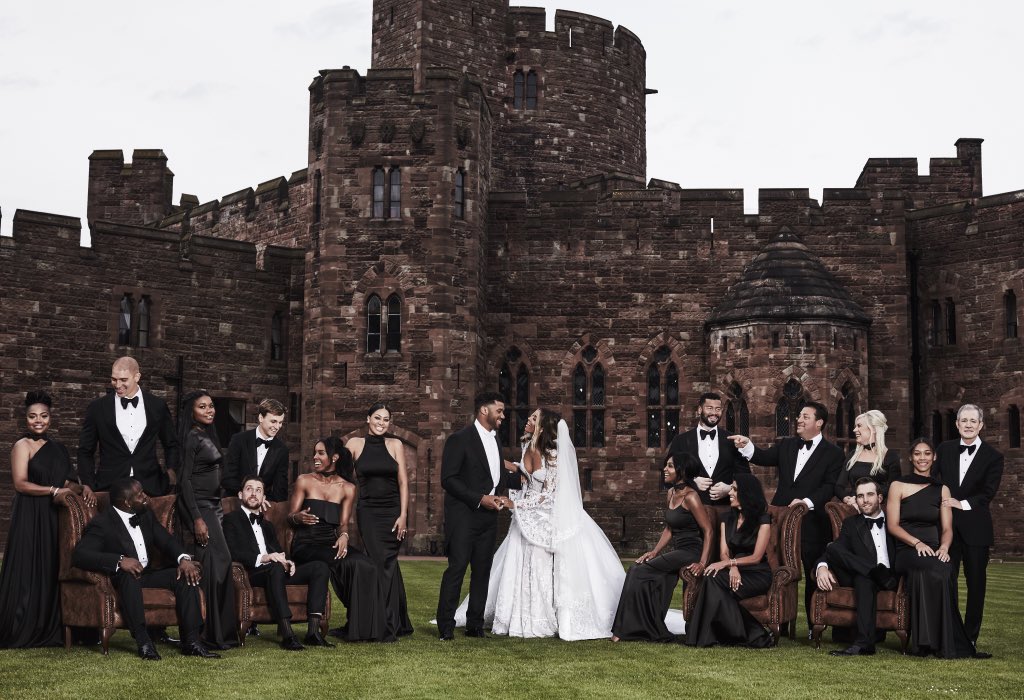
{"x": 923, "y": 529}
{"x": 870, "y": 458}
{"x": 321, "y": 507}
{"x": 647, "y": 591}
{"x": 743, "y": 572}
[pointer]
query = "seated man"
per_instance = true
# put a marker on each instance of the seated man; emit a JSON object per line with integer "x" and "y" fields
{"x": 120, "y": 542}
{"x": 861, "y": 558}
{"x": 253, "y": 543}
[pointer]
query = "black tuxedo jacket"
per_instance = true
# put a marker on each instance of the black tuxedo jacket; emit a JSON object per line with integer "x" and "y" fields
{"x": 242, "y": 542}
{"x": 854, "y": 549}
{"x": 817, "y": 480}
{"x": 106, "y": 539}
{"x": 979, "y": 488}
{"x": 240, "y": 464}
{"x": 466, "y": 475}
{"x": 116, "y": 462}
{"x": 730, "y": 461}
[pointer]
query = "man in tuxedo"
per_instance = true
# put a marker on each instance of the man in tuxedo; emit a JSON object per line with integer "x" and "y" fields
{"x": 253, "y": 542}
{"x": 258, "y": 452}
{"x": 126, "y": 427}
{"x": 808, "y": 466}
{"x": 861, "y": 558}
{"x": 122, "y": 541}
{"x": 471, "y": 474}
{"x": 709, "y": 442}
{"x": 972, "y": 470}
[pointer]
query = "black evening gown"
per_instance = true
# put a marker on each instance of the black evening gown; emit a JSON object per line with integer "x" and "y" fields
{"x": 647, "y": 590}
{"x": 935, "y": 623}
{"x": 718, "y": 617}
{"x": 29, "y": 603}
{"x": 354, "y": 576}
{"x": 198, "y": 492}
{"x": 376, "y": 511}
{"x": 846, "y": 484}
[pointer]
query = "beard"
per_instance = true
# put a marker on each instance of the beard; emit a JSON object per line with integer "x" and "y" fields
{"x": 710, "y": 421}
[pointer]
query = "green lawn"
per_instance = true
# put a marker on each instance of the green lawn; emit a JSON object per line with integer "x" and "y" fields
{"x": 423, "y": 667}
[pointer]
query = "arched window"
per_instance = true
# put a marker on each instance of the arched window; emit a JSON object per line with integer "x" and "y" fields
{"x": 524, "y": 89}
{"x": 1010, "y": 311}
{"x": 460, "y": 194}
{"x": 788, "y": 408}
{"x": 124, "y": 320}
{"x": 950, "y": 322}
{"x": 395, "y": 194}
{"x": 514, "y": 387}
{"x": 846, "y": 416}
{"x": 518, "y": 89}
{"x": 142, "y": 312}
{"x": 394, "y": 324}
{"x": 662, "y": 399}
{"x": 373, "y": 323}
{"x": 378, "y": 193}
{"x": 588, "y": 400}
{"x": 936, "y": 427}
{"x": 737, "y": 416}
{"x": 531, "y": 90}
{"x": 1013, "y": 426}
{"x": 277, "y": 336}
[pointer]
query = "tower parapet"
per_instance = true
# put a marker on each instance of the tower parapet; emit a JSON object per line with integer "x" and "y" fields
{"x": 136, "y": 193}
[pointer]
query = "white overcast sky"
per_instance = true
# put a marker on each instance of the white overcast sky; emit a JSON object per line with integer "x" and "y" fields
{"x": 751, "y": 94}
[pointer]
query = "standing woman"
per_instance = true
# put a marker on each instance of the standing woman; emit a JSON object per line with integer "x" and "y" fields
{"x": 923, "y": 529}
{"x": 198, "y": 515}
{"x": 871, "y": 458}
{"x": 321, "y": 506}
{"x": 647, "y": 592}
{"x": 43, "y": 478}
{"x": 743, "y": 572}
{"x": 382, "y": 509}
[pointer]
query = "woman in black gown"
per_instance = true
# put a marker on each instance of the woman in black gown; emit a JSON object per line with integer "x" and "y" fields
{"x": 743, "y": 572}
{"x": 923, "y": 529}
{"x": 381, "y": 510}
{"x": 647, "y": 591}
{"x": 198, "y": 515}
{"x": 871, "y": 458}
{"x": 43, "y": 478}
{"x": 321, "y": 506}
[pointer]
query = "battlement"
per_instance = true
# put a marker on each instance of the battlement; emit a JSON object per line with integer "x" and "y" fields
{"x": 138, "y": 192}
{"x": 584, "y": 33}
{"x": 948, "y": 179}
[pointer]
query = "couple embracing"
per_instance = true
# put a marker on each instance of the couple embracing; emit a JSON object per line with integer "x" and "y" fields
{"x": 556, "y": 573}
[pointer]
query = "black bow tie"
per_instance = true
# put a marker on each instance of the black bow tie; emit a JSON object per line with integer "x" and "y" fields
{"x": 134, "y": 401}
{"x": 708, "y": 434}
{"x": 968, "y": 448}
{"x": 877, "y": 522}
{"x": 135, "y": 520}
{"x": 808, "y": 444}
{"x": 260, "y": 442}
{"x": 253, "y": 518}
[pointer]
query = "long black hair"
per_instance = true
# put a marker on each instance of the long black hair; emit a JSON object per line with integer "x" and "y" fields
{"x": 343, "y": 467}
{"x": 186, "y": 422}
{"x": 753, "y": 505}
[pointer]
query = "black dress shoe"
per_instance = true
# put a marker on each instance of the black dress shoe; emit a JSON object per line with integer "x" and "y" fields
{"x": 981, "y": 655}
{"x": 197, "y": 649}
{"x": 253, "y": 631}
{"x": 148, "y": 652}
{"x": 339, "y": 632}
{"x": 446, "y": 636}
{"x": 291, "y": 643}
{"x": 853, "y": 650}
{"x": 315, "y": 640}
{"x": 476, "y": 632}
{"x": 168, "y": 639}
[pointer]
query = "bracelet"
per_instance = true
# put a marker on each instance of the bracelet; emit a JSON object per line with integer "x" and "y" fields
{"x": 732, "y": 562}
{"x": 344, "y": 534}
{"x": 53, "y": 491}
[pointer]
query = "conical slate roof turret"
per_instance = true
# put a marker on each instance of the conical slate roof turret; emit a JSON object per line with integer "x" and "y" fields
{"x": 787, "y": 282}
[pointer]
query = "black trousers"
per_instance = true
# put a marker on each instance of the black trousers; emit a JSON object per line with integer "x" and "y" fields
{"x": 865, "y": 593}
{"x": 815, "y": 534}
{"x": 186, "y": 602}
{"x": 470, "y": 543}
{"x": 975, "y": 561}
{"x": 273, "y": 578}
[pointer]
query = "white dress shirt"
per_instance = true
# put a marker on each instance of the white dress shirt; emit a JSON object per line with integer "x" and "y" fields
{"x": 490, "y": 440}
{"x": 802, "y": 455}
{"x": 261, "y": 451}
{"x": 257, "y": 530}
{"x": 135, "y": 532}
{"x": 878, "y": 536}
{"x": 707, "y": 449}
{"x": 966, "y": 459}
{"x": 131, "y": 422}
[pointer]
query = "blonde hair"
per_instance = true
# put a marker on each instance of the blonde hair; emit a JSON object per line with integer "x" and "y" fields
{"x": 875, "y": 419}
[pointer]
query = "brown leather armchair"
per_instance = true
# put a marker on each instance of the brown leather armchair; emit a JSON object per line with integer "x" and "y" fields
{"x": 88, "y": 598}
{"x": 779, "y": 605}
{"x": 838, "y": 606}
{"x": 691, "y": 583}
{"x": 252, "y": 602}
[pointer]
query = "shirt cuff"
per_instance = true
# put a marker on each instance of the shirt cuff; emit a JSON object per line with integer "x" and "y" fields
{"x": 810, "y": 503}
{"x": 747, "y": 451}
{"x": 184, "y": 556}
{"x": 258, "y": 562}
{"x": 821, "y": 564}
{"x": 965, "y": 505}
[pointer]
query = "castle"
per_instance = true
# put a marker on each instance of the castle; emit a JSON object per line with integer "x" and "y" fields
{"x": 474, "y": 214}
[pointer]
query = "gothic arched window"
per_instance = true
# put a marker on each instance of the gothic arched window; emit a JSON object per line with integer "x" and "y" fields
{"x": 378, "y": 193}
{"x": 514, "y": 387}
{"x": 394, "y": 324}
{"x": 662, "y": 399}
{"x": 460, "y": 194}
{"x": 788, "y": 408}
{"x": 373, "y": 323}
{"x": 737, "y": 416}
{"x": 588, "y": 400}
{"x": 124, "y": 320}
{"x": 1010, "y": 311}
{"x": 846, "y": 416}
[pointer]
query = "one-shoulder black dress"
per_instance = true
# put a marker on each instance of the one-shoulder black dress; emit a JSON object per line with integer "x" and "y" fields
{"x": 647, "y": 590}
{"x": 354, "y": 576}
{"x": 29, "y": 604}
{"x": 376, "y": 511}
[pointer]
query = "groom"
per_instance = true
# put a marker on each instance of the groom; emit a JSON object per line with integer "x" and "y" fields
{"x": 471, "y": 472}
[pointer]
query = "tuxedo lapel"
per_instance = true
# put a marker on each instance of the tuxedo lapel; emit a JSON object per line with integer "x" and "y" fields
{"x": 110, "y": 414}
{"x": 124, "y": 540}
{"x": 250, "y": 451}
{"x": 478, "y": 446}
{"x": 864, "y": 533}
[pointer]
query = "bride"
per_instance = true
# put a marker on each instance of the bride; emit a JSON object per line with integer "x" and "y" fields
{"x": 556, "y": 573}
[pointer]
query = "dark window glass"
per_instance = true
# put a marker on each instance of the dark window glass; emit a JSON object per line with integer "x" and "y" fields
{"x": 394, "y": 324}
{"x": 518, "y": 89}
{"x": 588, "y": 479}
{"x": 395, "y": 194}
{"x": 792, "y": 390}
{"x": 277, "y": 336}
{"x": 460, "y": 194}
{"x": 505, "y": 389}
{"x": 653, "y": 386}
{"x": 662, "y": 354}
{"x": 531, "y": 90}
{"x": 671, "y": 425}
{"x": 672, "y": 385}
{"x": 725, "y": 343}
{"x": 522, "y": 387}
{"x": 143, "y": 312}
{"x": 579, "y": 386}
{"x": 294, "y": 408}
{"x": 782, "y": 422}
{"x": 807, "y": 340}
{"x": 1013, "y": 426}
{"x": 730, "y": 418}
{"x": 936, "y": 427}
{"x": 597, "y": 428}
{"x": 775, "y": 339}
{"x": 935, "y": 331}
{"x": 378, "y": 193}
{"x": 124, "y": 320}
{"x": 746, "y": 341}
{"x": 744, "y": 418}
{"x": 229, "y": 418}
{"x": 950, "y": 322}
{"x": 373, "y": 323}
{"x": 951, "y": 430}
{"x": 589, "y": 354}
{"x": 579, "y": 428}
{"x": 597, "y": 386}
{"x": 1010, "y": 310}
{"x": 654, "y": 428}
